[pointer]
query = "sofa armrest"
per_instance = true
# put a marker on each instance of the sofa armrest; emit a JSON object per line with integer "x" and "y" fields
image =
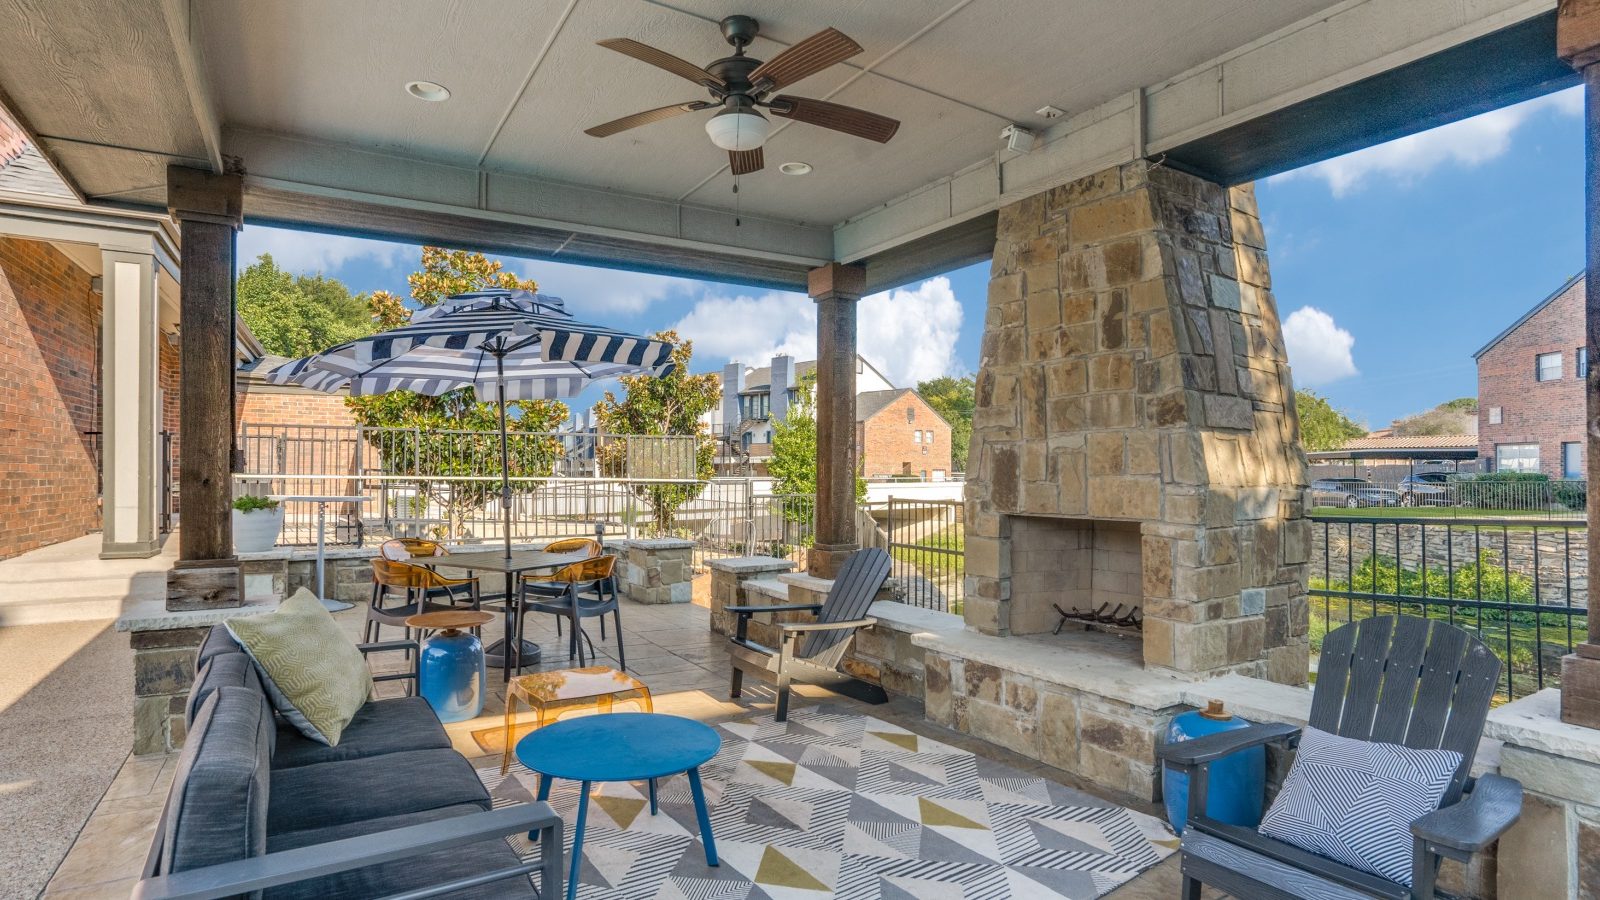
{"x": 1476, "y": 820}
{"x": 304, "y": 863}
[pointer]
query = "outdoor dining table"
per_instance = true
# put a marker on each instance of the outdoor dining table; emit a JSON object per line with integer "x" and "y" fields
{"x": 508, "y": 653}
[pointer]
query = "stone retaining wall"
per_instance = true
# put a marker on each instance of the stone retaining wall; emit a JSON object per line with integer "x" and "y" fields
{"x": 1563, "y": 560}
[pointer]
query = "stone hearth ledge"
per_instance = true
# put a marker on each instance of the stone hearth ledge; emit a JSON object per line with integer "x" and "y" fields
{"x": 153, "y": 615}
{"x": 1084, "y": 662}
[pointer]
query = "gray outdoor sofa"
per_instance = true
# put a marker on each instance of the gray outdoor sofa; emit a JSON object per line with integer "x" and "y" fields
{"x": 257, "y": 809}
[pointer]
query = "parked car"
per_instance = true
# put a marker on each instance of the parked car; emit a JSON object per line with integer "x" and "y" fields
{"x": 1427, "y": 489}
{"x": 1351, "y": 493}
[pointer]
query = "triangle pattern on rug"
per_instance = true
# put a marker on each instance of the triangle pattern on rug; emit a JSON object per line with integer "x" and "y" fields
{"x": 934, "y": 814}
{"x": 779, "y": 870}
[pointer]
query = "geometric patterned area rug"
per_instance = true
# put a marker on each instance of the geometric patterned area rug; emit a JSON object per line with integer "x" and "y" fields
{"x": 832, "y": 804}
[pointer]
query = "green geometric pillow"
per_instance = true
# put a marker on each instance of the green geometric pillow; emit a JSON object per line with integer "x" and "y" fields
{"x": 314, "y": 675}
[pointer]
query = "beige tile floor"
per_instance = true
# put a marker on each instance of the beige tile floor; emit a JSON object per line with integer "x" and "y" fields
{"x": 668, "y": 647}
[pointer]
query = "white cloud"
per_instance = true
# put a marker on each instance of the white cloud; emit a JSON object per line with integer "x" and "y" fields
{"x": 589, "y": 289}
{"x": 309, "y": 251}
{"x": 1319, "y": 350}
{"x": 1467, "y": 143}
{"x": 909, "y": 333}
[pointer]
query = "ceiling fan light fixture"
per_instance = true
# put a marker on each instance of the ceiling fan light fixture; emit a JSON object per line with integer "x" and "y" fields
{"x": 738, "y": 129}
{"x": 431, "y": 91}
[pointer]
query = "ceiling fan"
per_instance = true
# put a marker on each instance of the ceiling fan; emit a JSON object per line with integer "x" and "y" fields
{"x": 742, "y": 85}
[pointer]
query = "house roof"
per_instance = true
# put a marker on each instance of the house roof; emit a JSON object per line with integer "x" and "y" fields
{"x": 870, "y": 403}
{"x": 1419, "y": 442}
{"x": 1537, "y": 307}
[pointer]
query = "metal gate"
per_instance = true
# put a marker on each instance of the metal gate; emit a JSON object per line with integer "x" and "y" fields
{"x": 927, "y": 542}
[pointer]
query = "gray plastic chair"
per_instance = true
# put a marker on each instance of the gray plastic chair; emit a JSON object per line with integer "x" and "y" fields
{"x": 1416, "y": 682}
{"x": 816, "y": 660}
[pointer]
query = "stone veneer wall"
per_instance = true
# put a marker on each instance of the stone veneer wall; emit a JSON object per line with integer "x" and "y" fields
{"x": 1132, "y": 368}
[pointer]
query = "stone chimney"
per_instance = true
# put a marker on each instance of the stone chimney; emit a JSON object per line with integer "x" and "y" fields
{"x": 732, "y": 384}
{"x": 782, "y": 380}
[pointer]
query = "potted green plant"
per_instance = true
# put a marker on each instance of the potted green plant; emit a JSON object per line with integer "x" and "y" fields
{"x": 256, "y": 523}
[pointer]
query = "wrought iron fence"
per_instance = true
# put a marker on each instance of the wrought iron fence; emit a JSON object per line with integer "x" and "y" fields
{"x": 1521, "y": 584}
{"x": 926, "y": 540}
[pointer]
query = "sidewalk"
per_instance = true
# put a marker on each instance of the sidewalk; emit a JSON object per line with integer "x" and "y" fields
{"x": 69, "y": 582}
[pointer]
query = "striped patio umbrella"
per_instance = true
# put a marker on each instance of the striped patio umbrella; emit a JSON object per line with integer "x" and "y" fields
{"x": 508, "y": 344}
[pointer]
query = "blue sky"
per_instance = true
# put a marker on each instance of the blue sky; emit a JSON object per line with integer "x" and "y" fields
{"x": 1390, "y": 267}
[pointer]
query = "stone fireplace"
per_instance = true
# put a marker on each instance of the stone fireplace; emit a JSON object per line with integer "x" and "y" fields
{"x": 1134, "y": 442}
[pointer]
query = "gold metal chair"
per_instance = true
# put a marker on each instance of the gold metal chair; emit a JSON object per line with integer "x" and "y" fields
{"x": 402, "y": 549}
{"x": 418, "y": 584}
{"x": 549, "y": 584}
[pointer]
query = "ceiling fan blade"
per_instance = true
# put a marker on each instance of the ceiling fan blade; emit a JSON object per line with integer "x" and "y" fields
{"x": 847, "y": 119}
{"x": 744, "y": 162}
{"x": 807, "y": 58}
{"x": 661, "y": 59}
{"x": 644, "y": 118}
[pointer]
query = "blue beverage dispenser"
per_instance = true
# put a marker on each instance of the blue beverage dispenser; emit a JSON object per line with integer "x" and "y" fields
{"x": 1237, "y": 782}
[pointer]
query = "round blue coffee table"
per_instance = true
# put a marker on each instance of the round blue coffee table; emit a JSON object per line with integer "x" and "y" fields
{"x": 621, "y": 747}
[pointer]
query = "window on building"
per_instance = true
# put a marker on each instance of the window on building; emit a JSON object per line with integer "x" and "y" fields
{"x": 1582, "y": 355}
{"x": 911, "y": 414}
{"x": 1516, "y": 457}
{"x": 928, "y": 438}
{"x": 746, "y": 439}
{"x": 1572, "y": 459}
{"x": 1547, "y": 367}
{"x": 916, "y": 437}
{"x": 1494, "y": 415}
{"x": 755, "y": 406}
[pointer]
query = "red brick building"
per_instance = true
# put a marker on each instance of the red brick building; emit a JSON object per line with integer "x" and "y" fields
{"x": 1530, "y": 389}
{"x": 898, "y": 435}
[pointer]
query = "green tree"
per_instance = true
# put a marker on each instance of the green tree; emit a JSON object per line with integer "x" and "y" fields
{"x": 297, "y": 315}
{"x": 433, "y": 449}
{"x": 1321, "y": 426}
{"x": 1457, "y": 416}
{"x": 955, "y": 399}
{"x": 794, "y": 450}
{"x": 651, "y": 406}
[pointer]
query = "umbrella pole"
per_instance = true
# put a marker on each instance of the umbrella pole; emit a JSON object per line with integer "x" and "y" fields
{"x": 511, "y": 653}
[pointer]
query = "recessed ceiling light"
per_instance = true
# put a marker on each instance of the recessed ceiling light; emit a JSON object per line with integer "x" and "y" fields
{"x": 431, "y": 91}
{"x": 795, "y": 168}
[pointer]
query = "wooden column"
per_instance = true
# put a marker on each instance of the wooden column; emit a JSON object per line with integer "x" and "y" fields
{"x": 836, "y": 288}
{"x": 1578, "y": 43}
{"x": 209, "y": 210}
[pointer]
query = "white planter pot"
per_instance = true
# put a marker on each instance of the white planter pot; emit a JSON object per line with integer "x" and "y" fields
{"x": 257, "y": 530}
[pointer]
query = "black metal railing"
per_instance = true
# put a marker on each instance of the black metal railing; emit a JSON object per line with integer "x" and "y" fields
{"x": 926, "y": 540}
{"x": 1520, "y": 584}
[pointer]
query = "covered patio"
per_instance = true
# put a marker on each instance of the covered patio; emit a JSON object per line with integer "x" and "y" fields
{"x": 1135, "y": 423}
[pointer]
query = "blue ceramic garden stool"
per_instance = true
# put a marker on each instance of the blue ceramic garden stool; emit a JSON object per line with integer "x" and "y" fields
{"x": 621, "y": 747}
{"x": 450, "y": 672}
{"x": 1237, "y": 781}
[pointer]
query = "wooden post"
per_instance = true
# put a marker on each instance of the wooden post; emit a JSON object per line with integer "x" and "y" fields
{"x": 836, "y": 288}
{"x": 1578, "y": 43}
{"x": 209, "y": 210}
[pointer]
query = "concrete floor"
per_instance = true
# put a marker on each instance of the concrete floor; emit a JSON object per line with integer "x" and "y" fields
{"x": 668, "y": 647}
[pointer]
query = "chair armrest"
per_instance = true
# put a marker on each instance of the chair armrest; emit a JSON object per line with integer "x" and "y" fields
{"x": 1477, "y": 820}
{"x": 410, "y": 674}
{"x": 782, "y": 607}
{"x": 382, "y": 646}
{"x": 825, "y": 626}
{"x": 304, "y": 863}
{"x": 1208, "y": 749}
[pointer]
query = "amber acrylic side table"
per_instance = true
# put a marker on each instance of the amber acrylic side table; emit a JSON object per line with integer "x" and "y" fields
{"x": 563, "y": 690}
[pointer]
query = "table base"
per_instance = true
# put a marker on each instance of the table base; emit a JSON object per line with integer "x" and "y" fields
{"x": 494, "y": 654}
{"x": 332, "y": 605}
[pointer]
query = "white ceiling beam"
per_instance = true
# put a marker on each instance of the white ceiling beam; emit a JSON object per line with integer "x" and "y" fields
{"x": 1352, "y": 41}
{"x": 181, "y": 25}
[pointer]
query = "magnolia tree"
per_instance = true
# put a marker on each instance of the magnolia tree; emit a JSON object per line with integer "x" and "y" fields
{"x": 452, "y": 442}
{"x": 652, "y": 406}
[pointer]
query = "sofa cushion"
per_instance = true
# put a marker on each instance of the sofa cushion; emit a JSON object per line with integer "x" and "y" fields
{"x": 221, "y": 670}
{"x": 218, "y": 640}
{"x": 405, "y": 874}
{"x": 217, "y": 808}
{"x": 380, "y": 727}
{"x": 316, "y": 677}
{"x": 325, "y": 795}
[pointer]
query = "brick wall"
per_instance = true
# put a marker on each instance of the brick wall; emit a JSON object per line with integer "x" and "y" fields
{"x": 170, "y": 377}
{"x": 1546, "y": 413}
{"x": 49, "y": 396}
{"x": 291, "y": 407}
{"x": 886, "y": 442}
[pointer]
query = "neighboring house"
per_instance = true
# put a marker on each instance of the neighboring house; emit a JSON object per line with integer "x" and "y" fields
{"x": 898, "y": 435}
{"x": 1531, "y": 389}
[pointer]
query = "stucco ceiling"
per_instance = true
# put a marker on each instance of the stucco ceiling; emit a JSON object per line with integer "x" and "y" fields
{"x": 527, "y": 78}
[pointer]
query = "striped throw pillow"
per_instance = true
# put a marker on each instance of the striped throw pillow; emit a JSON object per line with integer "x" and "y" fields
{"x": 1354, "y": 801}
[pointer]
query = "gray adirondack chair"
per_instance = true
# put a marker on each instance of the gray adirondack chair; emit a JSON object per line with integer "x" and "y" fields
{"x": 1421, "y": 683}
{"x": 816, "y": 659}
